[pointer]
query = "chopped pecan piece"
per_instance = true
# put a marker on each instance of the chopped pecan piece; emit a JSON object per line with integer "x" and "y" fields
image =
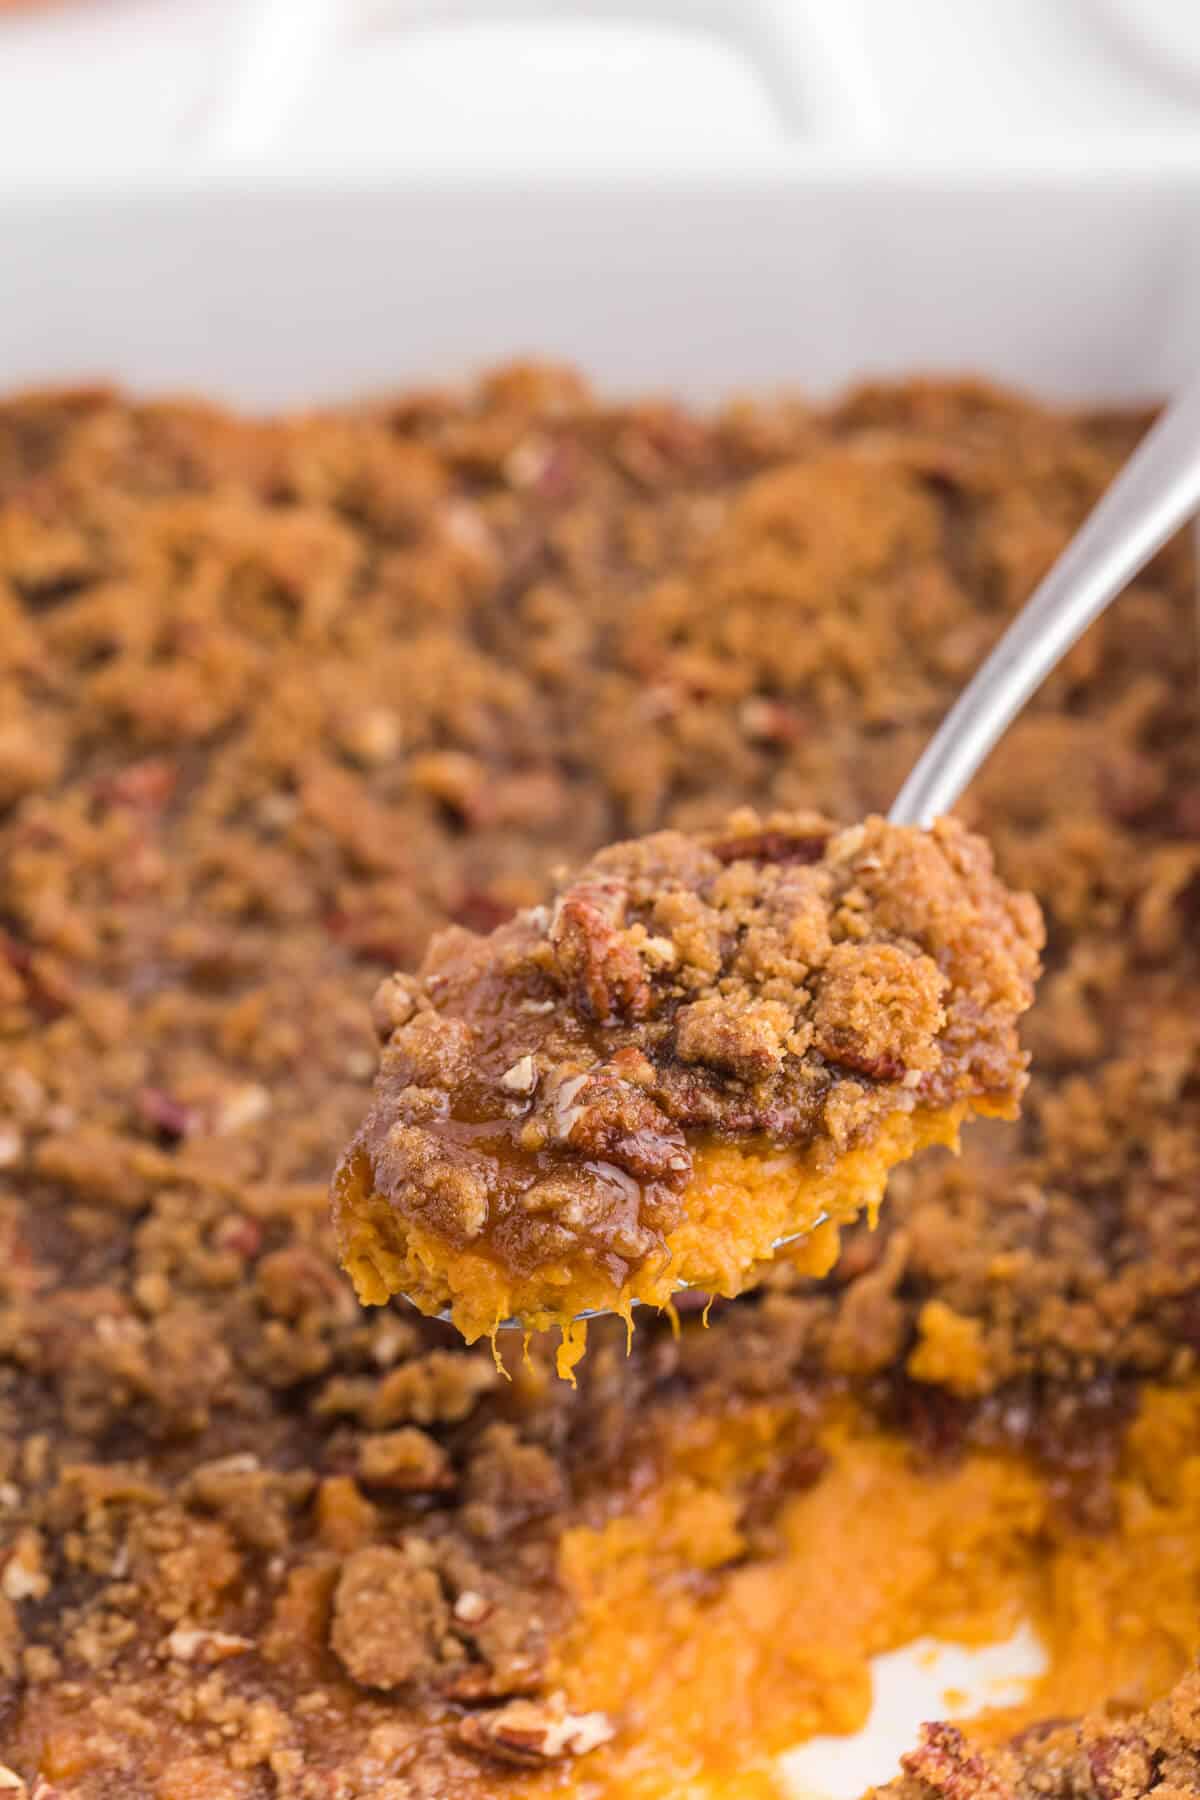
{"x": 533, "y": 1732}
{"x": 945, "y": 1762}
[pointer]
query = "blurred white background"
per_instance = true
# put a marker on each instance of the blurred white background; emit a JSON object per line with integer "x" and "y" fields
{"x": 87, "y": 86}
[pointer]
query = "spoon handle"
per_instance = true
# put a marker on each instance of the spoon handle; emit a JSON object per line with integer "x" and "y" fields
{"x": 1156, "y": 492}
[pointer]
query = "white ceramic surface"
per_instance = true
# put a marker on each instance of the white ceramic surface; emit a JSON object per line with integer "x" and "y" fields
{"x": 926, "y": 1680}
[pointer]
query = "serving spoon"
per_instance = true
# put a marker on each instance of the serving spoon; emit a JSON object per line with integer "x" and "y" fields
{"x": 1155, "y": 494}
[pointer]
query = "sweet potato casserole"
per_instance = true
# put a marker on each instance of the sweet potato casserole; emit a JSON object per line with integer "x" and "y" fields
{"x": 281, "y": 701}
{"x": 704, "y": 1048}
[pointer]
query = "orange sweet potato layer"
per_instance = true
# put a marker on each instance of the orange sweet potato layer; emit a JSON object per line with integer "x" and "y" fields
{"x": 739, "y": 1203}
{"x": 875, "y": 1555}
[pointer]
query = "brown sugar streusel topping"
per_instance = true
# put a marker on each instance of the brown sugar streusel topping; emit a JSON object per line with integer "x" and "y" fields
{"x": 1155, "y": 1752}
{"x": 777, "y": 980}
{"x": 277, "y": 702}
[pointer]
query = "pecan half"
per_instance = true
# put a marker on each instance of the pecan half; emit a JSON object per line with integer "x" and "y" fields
{"x": 533, "y": 1732}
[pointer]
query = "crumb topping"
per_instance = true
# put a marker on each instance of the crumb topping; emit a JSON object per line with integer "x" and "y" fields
{"x": 279, "y": 700}
{"x": 1155, "y": 1752}
{"x": 542, "y": 1090}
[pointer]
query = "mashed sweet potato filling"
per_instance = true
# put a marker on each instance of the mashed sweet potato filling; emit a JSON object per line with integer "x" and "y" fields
{"x": 713, "y": 1665}
{"x": 740, "y": 1201}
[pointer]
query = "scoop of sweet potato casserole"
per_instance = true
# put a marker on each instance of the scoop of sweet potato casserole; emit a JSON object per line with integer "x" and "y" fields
{"x": 701, "y": 1045}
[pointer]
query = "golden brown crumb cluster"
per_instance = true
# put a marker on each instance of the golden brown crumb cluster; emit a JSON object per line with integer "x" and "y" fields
{"x": 1156, "y": 1752}
{"x": 276, "y": 702}
{"x": 543, "y": 1090}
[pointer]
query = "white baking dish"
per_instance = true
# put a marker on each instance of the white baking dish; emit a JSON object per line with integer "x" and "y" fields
{"x": 278, "y": 290}
{"x": 267, "y": 250}
{"x": 1072, "y": 266}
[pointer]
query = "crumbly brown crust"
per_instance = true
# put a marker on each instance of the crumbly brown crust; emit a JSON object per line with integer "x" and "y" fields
{"x": 543, "y": 1089}
{"x": 278, "y": 701}
{"x": 1155, "y": 1752}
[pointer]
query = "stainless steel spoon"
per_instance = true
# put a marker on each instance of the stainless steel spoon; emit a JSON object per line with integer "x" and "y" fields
{"x": 1155, "y": 494}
